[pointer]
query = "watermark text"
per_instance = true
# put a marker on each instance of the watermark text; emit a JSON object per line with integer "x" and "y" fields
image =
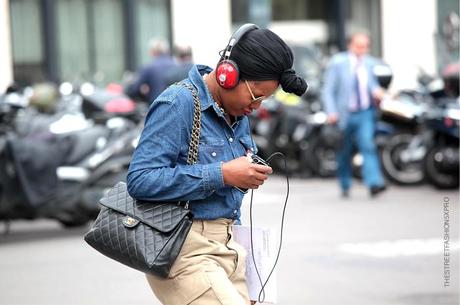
{"x": 446, "y": 239}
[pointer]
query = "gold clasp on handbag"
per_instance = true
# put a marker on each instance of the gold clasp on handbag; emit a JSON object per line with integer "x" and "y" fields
{"x": 130, "y": 222}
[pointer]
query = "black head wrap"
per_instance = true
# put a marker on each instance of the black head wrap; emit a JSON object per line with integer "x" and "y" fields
{"x": 262, "y": 55}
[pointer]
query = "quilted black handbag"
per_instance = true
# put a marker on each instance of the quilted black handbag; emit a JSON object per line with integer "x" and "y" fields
{"x": 146, "y": 236}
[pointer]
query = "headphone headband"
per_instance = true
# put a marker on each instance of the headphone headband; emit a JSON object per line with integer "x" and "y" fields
{"x": 236, "y": 37}
{"x": 227, "y": 72}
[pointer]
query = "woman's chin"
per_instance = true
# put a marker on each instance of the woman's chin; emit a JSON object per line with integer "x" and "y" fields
{"x": 246, "y": 112}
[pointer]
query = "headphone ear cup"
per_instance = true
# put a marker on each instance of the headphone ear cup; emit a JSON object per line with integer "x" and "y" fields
{"x": 227, "y": 74}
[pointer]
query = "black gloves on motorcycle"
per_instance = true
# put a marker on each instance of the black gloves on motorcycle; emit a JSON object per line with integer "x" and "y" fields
{"x": 262, "y": 55}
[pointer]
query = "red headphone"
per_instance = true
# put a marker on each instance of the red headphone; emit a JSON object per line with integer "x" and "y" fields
{"x": 227, "y": 72}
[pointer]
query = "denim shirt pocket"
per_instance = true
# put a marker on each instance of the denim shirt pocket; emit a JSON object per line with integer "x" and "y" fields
{"x": 248, "y": 144}
{"x": 211, "y": 151}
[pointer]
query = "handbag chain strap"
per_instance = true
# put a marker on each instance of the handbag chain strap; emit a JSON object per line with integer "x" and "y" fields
{"x": 192, "y": 157}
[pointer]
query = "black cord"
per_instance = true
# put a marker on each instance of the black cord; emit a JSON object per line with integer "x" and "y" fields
{"x": 261, "y": 297}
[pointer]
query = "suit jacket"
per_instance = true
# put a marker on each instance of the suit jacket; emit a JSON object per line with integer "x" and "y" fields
{"x": 153, "y": 76}
{"x": 338, "y": 85}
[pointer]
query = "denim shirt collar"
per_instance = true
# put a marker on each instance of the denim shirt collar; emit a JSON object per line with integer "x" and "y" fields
{"x": 196, "y": 77}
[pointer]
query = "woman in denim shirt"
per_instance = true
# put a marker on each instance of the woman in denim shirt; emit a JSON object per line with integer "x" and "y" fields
{"x": 210, "y": 268}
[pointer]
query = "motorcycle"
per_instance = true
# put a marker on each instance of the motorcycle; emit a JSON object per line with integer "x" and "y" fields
{"x": 402, "y": 151}
{"x": 58, "y": 166}
{"x": 404, "y": 154}
{"x": 441, "y": 162}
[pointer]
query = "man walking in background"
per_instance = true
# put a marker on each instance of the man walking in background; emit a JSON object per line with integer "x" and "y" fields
{"x": 150, "y": 81}
{"x": 350, "y": 96}
{"x": 184, "y": 62}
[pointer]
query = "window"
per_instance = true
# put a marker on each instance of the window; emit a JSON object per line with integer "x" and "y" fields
{"x": 90, "y": 40}
{"x": 87, "y": 38}
{"x": 152, "y": 20}
{"x": 27, "y": 40}
{"x": 73, "y": 40}
{"x": 108, "y": 40}
{"x": 299, "y": 9}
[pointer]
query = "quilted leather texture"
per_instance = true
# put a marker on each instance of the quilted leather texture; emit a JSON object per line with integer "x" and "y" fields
{"x": 161, "y": 216}
{"x": 150, "y": 246}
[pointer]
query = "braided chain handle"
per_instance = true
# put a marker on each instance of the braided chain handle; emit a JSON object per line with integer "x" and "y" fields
{"x": 192, "y": 156}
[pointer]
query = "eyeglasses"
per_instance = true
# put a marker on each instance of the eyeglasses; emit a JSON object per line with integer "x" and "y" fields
{"x": 254, "y": 99}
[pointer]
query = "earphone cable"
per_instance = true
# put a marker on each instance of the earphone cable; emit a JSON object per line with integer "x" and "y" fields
{"x": 261, "y": 296}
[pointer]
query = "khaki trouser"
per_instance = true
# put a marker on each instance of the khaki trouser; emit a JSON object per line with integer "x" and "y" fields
{"x": 210, "y": 269}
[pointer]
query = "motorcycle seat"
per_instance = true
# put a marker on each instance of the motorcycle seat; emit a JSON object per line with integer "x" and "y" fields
{"x": 85, "y": 142}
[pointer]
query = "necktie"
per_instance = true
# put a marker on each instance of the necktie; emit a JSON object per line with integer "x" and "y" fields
{"x": 357, "y": 89}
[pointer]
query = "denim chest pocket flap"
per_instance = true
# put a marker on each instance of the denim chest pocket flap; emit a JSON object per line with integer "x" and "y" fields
{"x": 211, "y": 150}
{"x": 248, "y": 144}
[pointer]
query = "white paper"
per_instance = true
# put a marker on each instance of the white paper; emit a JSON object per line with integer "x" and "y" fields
{"x": 264, "y": 257}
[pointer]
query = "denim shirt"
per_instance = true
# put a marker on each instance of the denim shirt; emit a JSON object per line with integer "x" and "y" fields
{"x": 159, "y": 170}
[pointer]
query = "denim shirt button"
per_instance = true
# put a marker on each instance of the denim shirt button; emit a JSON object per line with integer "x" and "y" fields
{"x": 235, "y": 211}
{"x": 214, "y": 154}
{"x": 231, "y": 140}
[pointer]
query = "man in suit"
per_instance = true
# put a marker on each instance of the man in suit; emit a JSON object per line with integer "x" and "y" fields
{"x": 350, "y": 96}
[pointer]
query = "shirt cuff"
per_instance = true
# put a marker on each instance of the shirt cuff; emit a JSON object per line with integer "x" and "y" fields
{"x": 213, "y": 178}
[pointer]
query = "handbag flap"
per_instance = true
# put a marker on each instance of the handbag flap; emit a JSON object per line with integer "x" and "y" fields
{"x": 163, "y": 217}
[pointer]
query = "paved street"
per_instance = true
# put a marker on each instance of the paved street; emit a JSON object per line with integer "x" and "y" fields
{"x": 349, "y": 252}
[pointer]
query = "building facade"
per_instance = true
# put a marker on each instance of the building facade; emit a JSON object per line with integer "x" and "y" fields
{"x": 83, "y": 39}
{"x": 98, "y": 40}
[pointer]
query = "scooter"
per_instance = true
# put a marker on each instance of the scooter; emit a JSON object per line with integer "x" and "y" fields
{"x": 101, "y": 104}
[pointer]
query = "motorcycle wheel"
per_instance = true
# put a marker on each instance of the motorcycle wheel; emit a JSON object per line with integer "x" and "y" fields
{"x": 435, "y": 175}
{"x": 406, "y": 173}
{"x": 321, "y": 159}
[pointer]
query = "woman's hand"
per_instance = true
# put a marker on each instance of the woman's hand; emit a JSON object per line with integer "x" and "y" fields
{"x": 241, "y": 172}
